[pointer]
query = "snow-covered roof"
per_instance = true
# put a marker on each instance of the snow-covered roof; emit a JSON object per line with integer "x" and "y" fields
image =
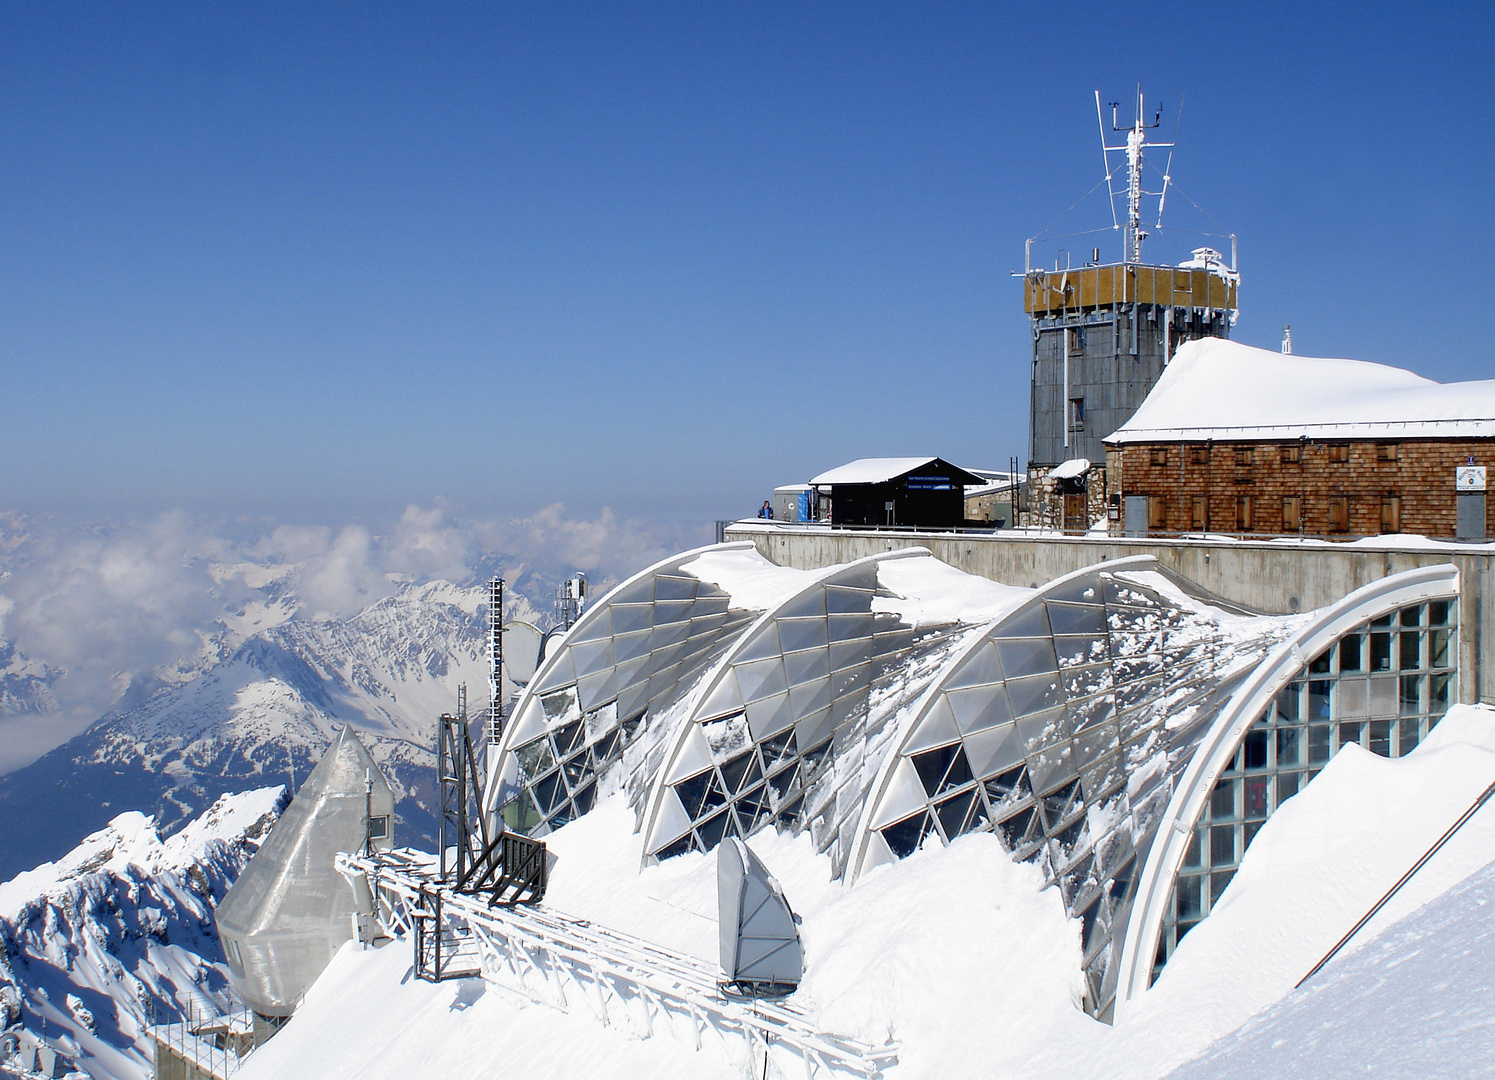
{"x": 872, "y": 470}
{"x": 881, "y": 470}
{"x": 1070, "y": 469}
{"x": 1217, "y": 389}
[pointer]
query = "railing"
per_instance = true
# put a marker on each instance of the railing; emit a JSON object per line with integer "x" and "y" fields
{"x": 623, "y": 982}
{"x": 202, "y": 1044}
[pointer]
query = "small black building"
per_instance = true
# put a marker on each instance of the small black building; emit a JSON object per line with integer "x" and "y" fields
{"x": 925, "y": 492}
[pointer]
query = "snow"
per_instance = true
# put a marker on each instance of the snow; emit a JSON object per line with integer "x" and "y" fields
{"x": 930, "y": 591}
{"x": 965, "y": 959}
{"x": 871, "y": 470}
{"x": 1221, "y": 389}
{"x": 120, "y": 930}
{"x": 752, "y": 581}
{"x": 1070, "y": 469}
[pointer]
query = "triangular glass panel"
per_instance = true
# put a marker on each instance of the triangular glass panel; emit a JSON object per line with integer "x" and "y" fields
{"x": 667, "y": 611}
{"x": 1076, "y": 618}
{"x": 979, "y": 668}
{"x": 904, "y": 837}
{"x": 979, "y": 707}
{"x": 850, "y": 652}
{"x": 937, "y": 728}
{"x": 1027, "y": 656}
{"x": 675, "y": 587}
{"x": 724, "y": 697}
{"x": 666, "y": 634}
{"x": 814, "y": 728}
{"x": 807, "y": 633}
{"x": 591, "y": 656}
{"x": 1008, "y": 788}
{"x": 843, "y": 599}
{"x": 810, "y": 697}
{"x": 809, "y": 603}
{"x": 800, "y": 667}
{"x": 769, "y": 716}
{"x": 1029, "y": 621}
{"x": 694, "y": 755}
{"x": 631, "y": 645}
{"x": 1051, "y": 765}
{"x": 560, "y": 672}
{"x": 631, "y": 617}
{"x": 994, "y": 750}
{"x": 932, "y": 765}
{"x": 761, "y": 678}
{"x": 593, "y": 626}
{"x": 763, "y": 643}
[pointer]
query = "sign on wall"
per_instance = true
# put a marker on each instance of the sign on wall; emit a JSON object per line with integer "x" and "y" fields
{"x": 1469, "y": 478}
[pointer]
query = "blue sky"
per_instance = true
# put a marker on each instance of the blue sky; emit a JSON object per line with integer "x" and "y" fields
{"x": 317, "y": 263}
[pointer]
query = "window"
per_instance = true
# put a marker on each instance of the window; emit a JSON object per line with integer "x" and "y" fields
{"x": 1199, "y": 512}
{"x": 1292, "y": 453}
{"x": 1244, "y": 455}
{"x": 1386, "y": 451}
{"x": 1391, "y": 514}
{"x": 1199, "y": 455}
{"x": 1243, "y": 513}
{"x": 1157, "y": 512}
{"x": 1158, "y": 455}
{"x": 1077, "y": 412}
{"x": 379, "y": 827}
{"x": 1292, "y": 513}
{"x": 1077, "y": 339}
{"x": 1339, "y": 513}
{"x": 1339, "y": 451}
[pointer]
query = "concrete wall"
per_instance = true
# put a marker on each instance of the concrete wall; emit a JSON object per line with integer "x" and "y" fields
{"x": 1277, "y": 578}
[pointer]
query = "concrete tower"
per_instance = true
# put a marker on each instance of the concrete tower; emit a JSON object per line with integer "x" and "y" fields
{"x": 1102, "y": 334}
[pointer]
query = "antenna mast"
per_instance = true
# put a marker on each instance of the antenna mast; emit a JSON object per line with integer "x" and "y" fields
{"x": 1136, "y": 143}
{"x": 496, "y": 659}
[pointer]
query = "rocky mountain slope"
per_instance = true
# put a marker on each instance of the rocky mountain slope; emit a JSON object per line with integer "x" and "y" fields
{"x": 118, "y": 934}
{"x": 262, "y": 714}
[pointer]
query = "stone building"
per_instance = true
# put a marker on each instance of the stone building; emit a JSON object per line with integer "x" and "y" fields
{"x": 1240, "y": 440}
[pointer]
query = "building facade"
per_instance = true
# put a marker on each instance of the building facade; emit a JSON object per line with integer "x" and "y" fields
{"x": 1338, "y": 489}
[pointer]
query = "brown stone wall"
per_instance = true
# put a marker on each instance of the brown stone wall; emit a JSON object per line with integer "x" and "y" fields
{"x": 1045, "y": 505}
{"x": 1422, "y": 475}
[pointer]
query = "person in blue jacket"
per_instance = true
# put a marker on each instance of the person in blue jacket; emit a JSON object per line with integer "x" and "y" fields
{"x": 766, "y": 511}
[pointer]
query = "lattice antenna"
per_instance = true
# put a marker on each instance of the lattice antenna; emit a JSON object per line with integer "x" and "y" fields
{"x": 1136, "y": 143}
{"x": 496, "y": 658}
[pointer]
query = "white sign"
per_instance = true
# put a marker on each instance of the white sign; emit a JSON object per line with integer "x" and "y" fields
{"x": 1469, "y": 478}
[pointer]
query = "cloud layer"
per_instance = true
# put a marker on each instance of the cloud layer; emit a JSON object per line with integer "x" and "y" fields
{"x": 121, "y": 609}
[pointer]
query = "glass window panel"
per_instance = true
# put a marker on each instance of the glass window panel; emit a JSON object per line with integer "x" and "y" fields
{"x": 1222, "y": 800}
{"x": 1289, "y": 746}
{"x": 1255, "y": 803}
{"x": 1380, "y": 737}
{"x": 1354, "y": 699}
{"x": 1384, "y": 620}
{"x": 1350, "y": 733}
{"x": 1289, "y": 701}
{"x": 954, "y": 811}
{"x": 1189, "y": 903}
{"x": 1380, "y": 652}
{"x": 1318, "y": 743}
{"x": 1254, "y": 750}
{"x": 1009, "y": 786}
{"x": 1287, "y": 786}
{"x": 1439, "y": 611}
{"x": 1218, "y": 881}
{"x": 1319, "y": 693}
{"x": 932, "y": 765}
{"x": 1411, "y": 650}
{"x": 1194, "y": 854}
{"x": 1320, "y": 664}
{"x": 1385, "y": 698}
{"x": 1438, "y": 693}
{"x": 1222, "y": 845}
{"x": 1249, "y": 831}
{"x": 1413, "y": 616}
{"x": 1033, "y": 694}
{"x": 1351, "y": 653}
{"x": 1412, "y": 694}
{"x": 1014, "y": 830}
{"x": 1027, "y": 656}
{"x": 1438, "y": 649}
{"x": 1407, "y": 739}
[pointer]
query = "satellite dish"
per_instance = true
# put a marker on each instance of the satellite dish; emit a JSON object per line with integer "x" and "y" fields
{"x": 521, "y": 650}
{"x": 760, "y": 949}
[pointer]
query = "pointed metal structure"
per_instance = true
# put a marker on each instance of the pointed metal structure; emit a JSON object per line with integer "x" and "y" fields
{"x": 290, "y": 910}
{"x": 760, "y": 948}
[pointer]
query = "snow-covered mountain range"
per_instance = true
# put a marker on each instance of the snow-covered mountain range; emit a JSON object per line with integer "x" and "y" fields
{"x": 118, "y": 934}
{"x": 261, "y": 713}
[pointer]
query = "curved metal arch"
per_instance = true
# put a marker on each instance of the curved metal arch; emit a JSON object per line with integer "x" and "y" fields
{"x": 559, "y": 669}
{"x": 878, "y": 789}
{"x": 811, "y": 719}
{"x": 1071, "y": 752}
{"x": 1285, "y": 663}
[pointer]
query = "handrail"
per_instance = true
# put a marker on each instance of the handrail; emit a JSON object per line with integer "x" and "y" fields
{"x": 1418, "y": 865}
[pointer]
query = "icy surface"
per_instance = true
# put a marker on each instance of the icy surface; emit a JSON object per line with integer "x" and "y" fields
{"x": 1221, "y": 389}
{"x": 927, "y": 591}
{"x": 751, "y": 580}
{"x": 119, "y": 931}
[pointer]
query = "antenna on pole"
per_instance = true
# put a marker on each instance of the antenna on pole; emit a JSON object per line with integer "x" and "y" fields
{"x": 496, "y": 659}
{"x": 1136, "y": 143}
